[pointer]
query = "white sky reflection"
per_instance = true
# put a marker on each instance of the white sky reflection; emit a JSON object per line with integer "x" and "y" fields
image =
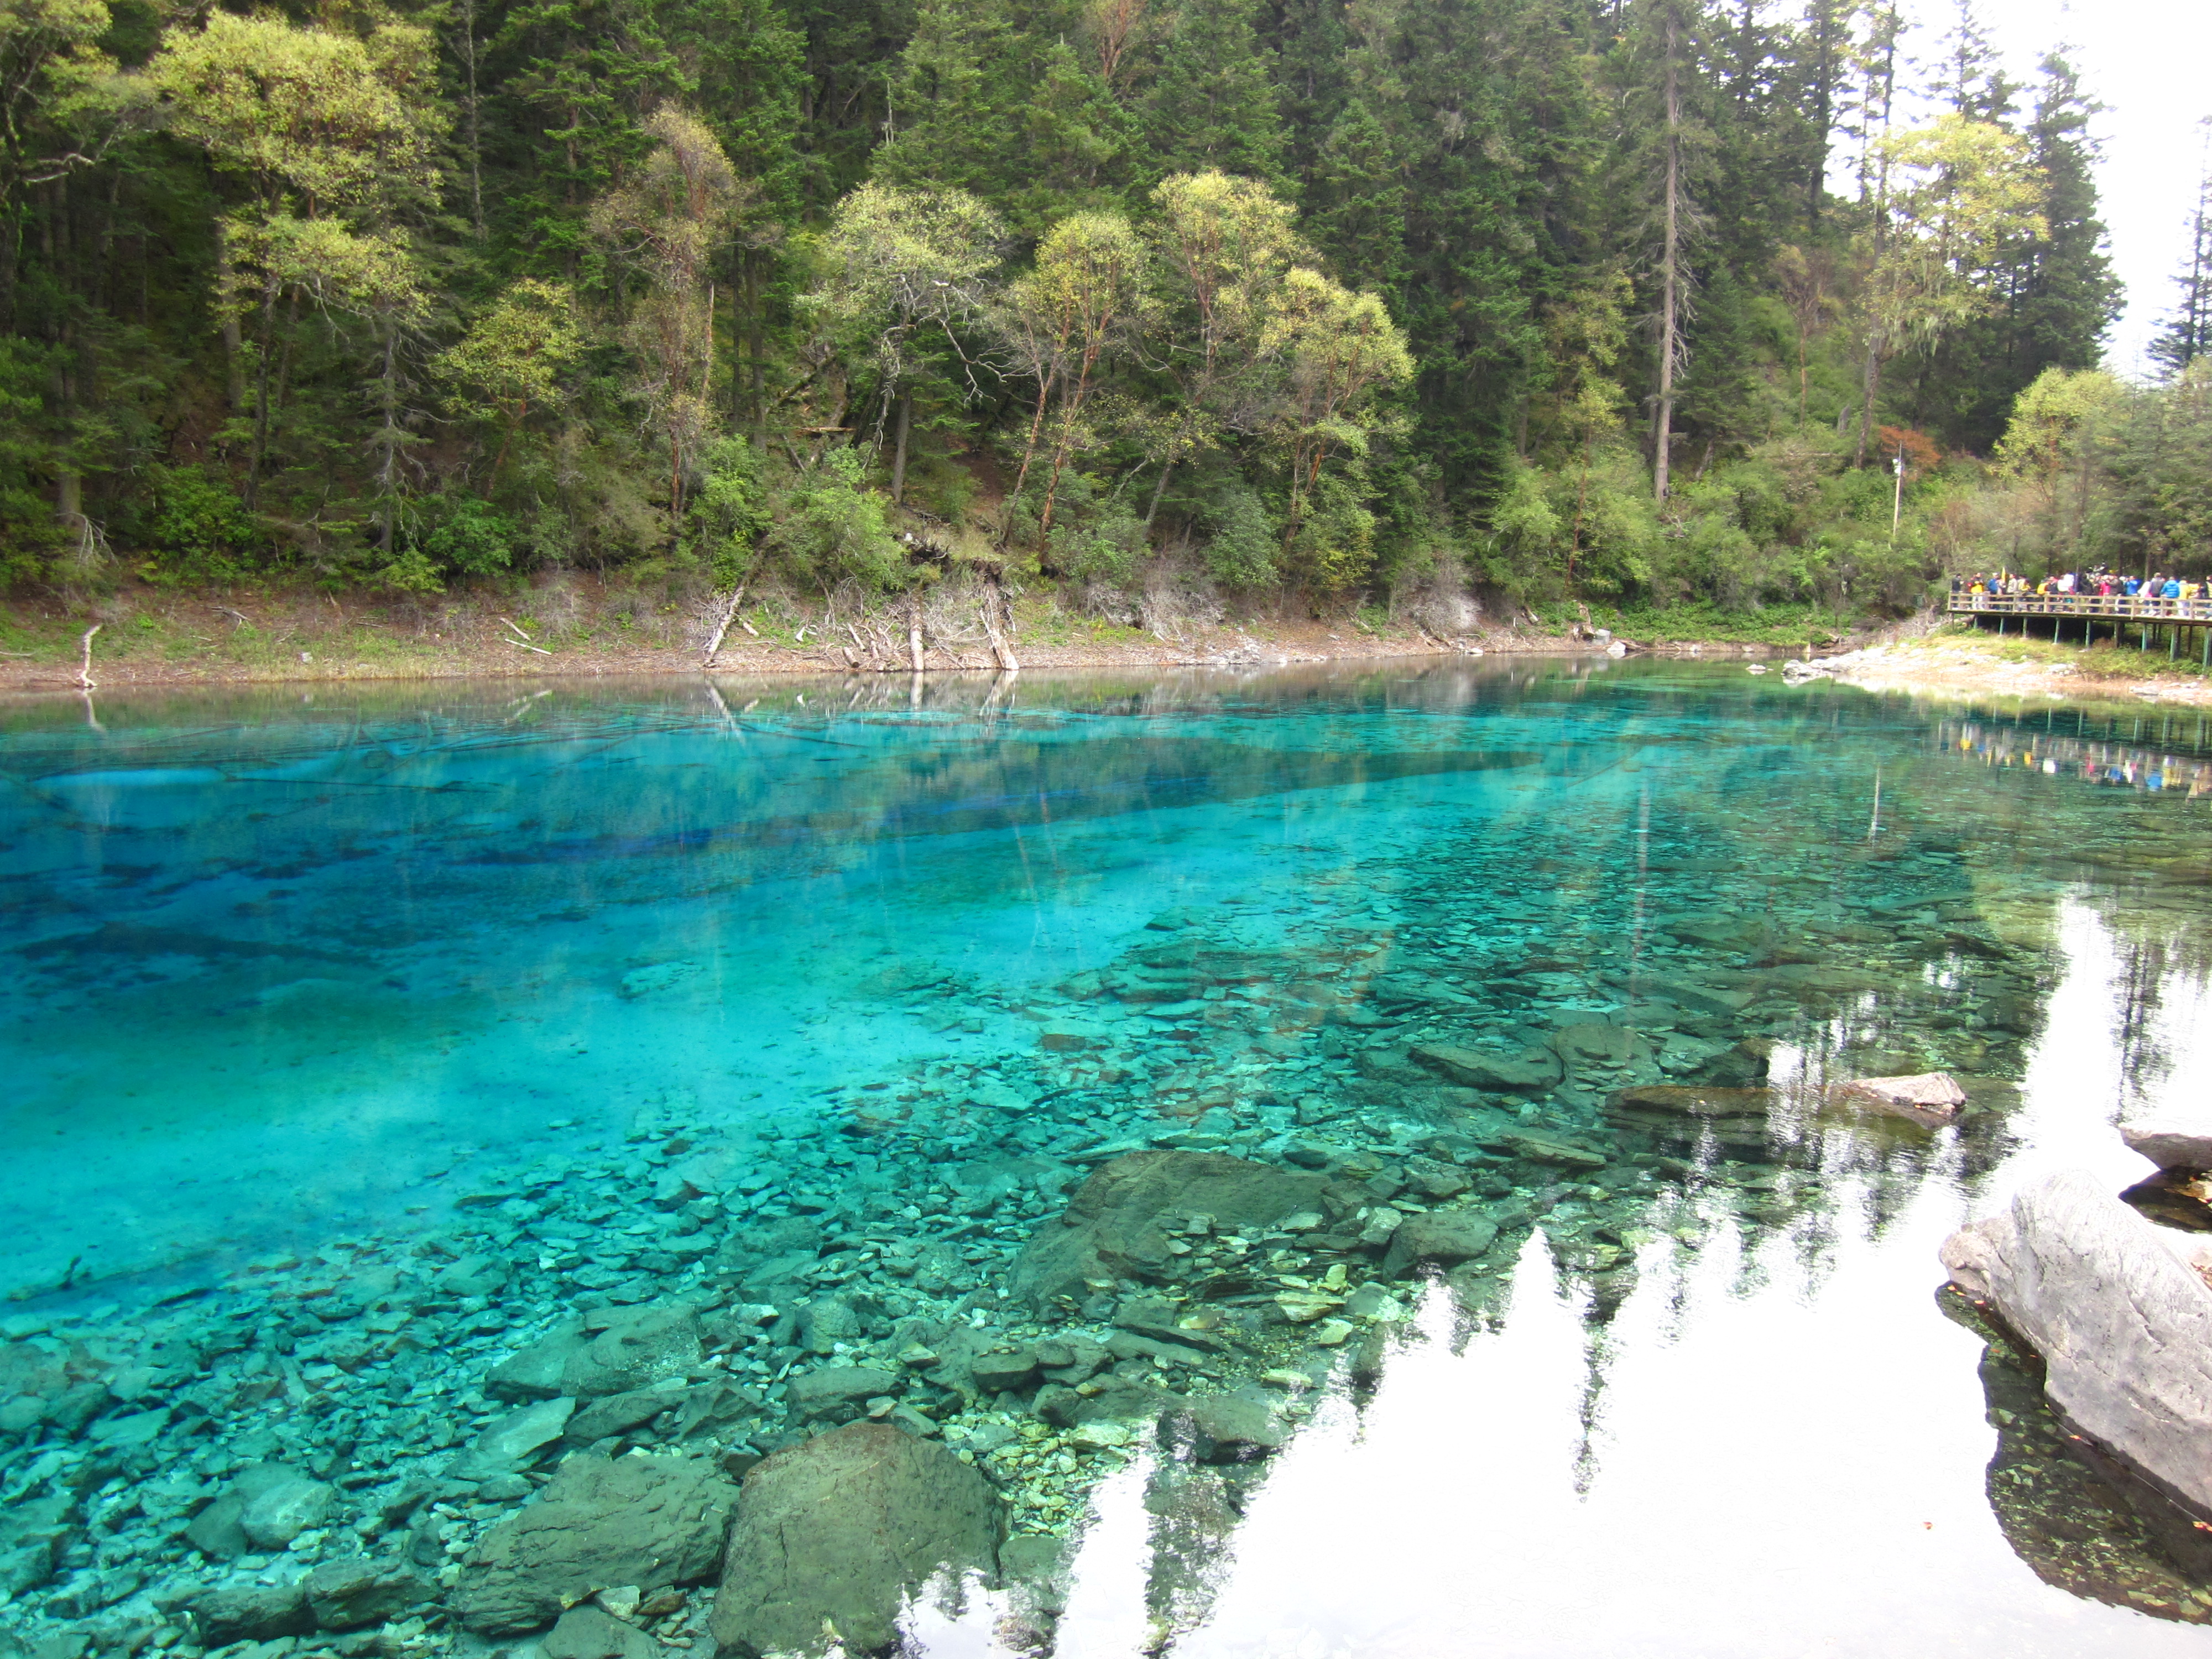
{"x": 1783, "y": 1458}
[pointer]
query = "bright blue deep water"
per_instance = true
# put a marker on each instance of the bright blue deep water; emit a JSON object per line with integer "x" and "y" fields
{"x": 352, "y": 1038}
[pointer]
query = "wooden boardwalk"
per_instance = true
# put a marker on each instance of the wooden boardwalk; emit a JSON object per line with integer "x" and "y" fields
{"x": 2101, "y": 607}
{"x": 2146, "y": 618}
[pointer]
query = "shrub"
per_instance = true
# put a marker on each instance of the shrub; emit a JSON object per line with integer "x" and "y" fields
{"x": 473, "y": 537}
{"x": 197, "y": 530}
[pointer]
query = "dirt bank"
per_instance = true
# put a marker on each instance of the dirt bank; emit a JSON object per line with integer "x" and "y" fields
{"x": 153, "y": 639}
{"x": 1955, "y": 665}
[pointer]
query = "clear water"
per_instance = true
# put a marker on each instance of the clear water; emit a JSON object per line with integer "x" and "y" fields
{"x": 311, "y": 992}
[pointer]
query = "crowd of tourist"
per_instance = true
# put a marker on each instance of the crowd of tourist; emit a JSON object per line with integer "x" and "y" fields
{"x": 2158, "y": 595}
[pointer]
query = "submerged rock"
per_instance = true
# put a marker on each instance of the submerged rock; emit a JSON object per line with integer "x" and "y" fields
{"x": 1676, "y": 1100}
{"x": 649, "y": 1522}
{"x": 1588, "y": 1041}
{"x": 1233, "y": 1428}
{"x": 1931, "y": 1099}
{"x": 613, "y": 1351}
{"x": 589, "y": 1632}
{"x": 281, "y": 1508}
{"x": 1562, "y": 1154}
{"x": 1531, "y": 1073}
{"x": 1677, "y": 1112}
{"x": 833, "y": 1535}
{"x": 251, "y": 1613}
{"x": 2123, "y": 1323}
{"x": 1445, "y": 1237}
{"x": 1117, "y": 1225}
{"x": 219, "y": 1531}
{"x": 2175, "y": 1198}
{"x": 514, "y": 1441}
{"x": 353, "y": 1594}
{"x": 840, "y": 1391}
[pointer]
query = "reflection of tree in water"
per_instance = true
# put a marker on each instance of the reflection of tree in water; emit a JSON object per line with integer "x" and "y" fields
{"x": 2140, "y": 984}
{"x": 2090, "y": 1531}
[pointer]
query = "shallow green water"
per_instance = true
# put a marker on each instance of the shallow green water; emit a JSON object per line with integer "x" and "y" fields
{"x": 819, "y": 993}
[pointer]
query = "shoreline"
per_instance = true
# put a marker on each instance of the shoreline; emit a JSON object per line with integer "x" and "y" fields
{"x": 1950, "y": 666}
{"x": 379, "y": 653}
{"x": 357, "y": 649}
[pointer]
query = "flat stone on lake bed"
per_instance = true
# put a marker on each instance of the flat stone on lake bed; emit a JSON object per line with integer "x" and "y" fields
{"x": 1677, "y": 1100}
{"x": 1528, "y": 1073}
{"x": 1563, "y": 1154}
{"x": 1932, "y": 1098}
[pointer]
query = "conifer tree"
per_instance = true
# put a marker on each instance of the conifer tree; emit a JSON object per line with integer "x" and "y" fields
{"x": 1211, "y": 99}
{"x": 2187, "y": 334}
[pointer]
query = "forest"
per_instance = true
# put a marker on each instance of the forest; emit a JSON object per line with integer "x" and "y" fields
{"x": 1145, "y": 304}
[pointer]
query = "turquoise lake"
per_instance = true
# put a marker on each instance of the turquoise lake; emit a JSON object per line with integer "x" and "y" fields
{"x": 355, "y": 1037}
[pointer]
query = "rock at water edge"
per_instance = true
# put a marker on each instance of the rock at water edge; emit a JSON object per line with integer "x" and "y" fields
{"x": 2122, "y": 1324}
{"x": 836, "y": 1532}
{"x": 2171, "y": 1144}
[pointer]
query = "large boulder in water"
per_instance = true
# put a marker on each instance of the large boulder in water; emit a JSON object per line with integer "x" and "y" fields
{"x": 1117, "y": 1227}
{"x": 835, "y": 1534}
{"x": 2123, "y": 1323}
{"x": 599, "y": 1525}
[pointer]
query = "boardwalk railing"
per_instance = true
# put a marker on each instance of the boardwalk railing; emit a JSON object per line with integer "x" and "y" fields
{"x": 2117, "y": 607}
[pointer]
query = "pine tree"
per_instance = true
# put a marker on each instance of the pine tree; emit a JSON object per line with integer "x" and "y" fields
{"x": 1357, "y": 199}
{"x": 2057, "y": 294}
{"x": 1212, "y": 100}
{"x": 1970, "y": 78}
{"x": 1827, "y": 33}
{"x": 2187, "y": 334}
{"x": 1011, "y": 114}
{"x": 575, "y": 79}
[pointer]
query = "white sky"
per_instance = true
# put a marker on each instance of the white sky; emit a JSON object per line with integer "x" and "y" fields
{"x": 2149, "y": 62}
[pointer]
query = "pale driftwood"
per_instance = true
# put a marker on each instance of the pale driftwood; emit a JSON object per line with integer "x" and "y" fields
{"x": 84, "y": 679}
{"x": 517, "y": 627}
{"x": 913, "y": 635}
{"x": 524, "y": 645}
{"x": 722, "y": 628}
{"x": 994, "y": 596}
